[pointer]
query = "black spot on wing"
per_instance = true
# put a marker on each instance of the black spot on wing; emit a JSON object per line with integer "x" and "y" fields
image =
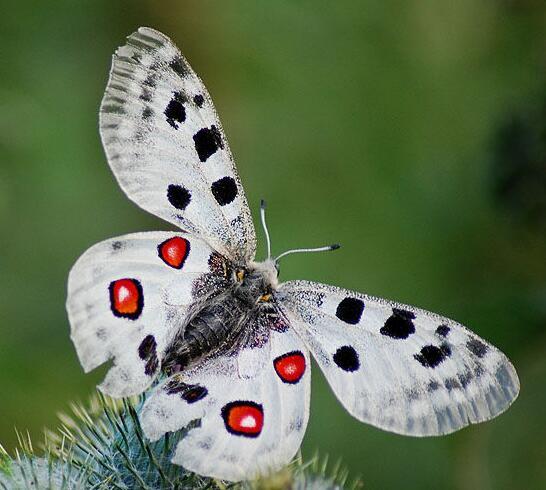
{"x": 199, "y": 100}
{"x": 477, "y": 347}
{"x": 224, "y": 190}
{"x": 188, "y": 392}
{"x": 346, "y": 358}
{"x": 433, "y": 386}
{"x": 399, "y": 325}
{"x": 452, "y": 384}
{"x": 175, "y": 111}
{"x": 179, "y": 66}
{"x": 465, "y": 378}
{"x": 349, "y": 310}
{"x": 479, "y": 370}
{"x": 178, "y": 196}
{"x": 147, "y": 352}
{"x": 443, "y": 330}
{"x": 207, "y": 141}
{"x": 431, "y": 356}
{"x": 151, "y": 80}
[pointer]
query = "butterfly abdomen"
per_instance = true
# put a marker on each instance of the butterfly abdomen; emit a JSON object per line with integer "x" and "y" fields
{"x": 217, "y": 325}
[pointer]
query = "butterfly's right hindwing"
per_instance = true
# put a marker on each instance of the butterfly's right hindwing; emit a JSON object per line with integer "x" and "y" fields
{"x": 166, "y": 146}
{"x": 128, "y": 297}
{"x": 397, "y": 367}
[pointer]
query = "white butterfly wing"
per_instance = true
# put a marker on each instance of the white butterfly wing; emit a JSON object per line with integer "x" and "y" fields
{"x": 127, "y": 297}
{"x": 166, "y": 146}
{"x": 397, "y": 367}
{"x": 253, "y": 408}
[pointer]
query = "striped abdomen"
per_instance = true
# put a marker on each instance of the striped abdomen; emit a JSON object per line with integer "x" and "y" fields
{"x": 216, "y": 326}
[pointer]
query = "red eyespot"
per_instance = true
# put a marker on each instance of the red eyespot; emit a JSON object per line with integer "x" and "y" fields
{"x": 174, "y": 251}
{"x": 243, "y": 418}
{"x": 126, "y": 298}
{"x": 290, "y": 367}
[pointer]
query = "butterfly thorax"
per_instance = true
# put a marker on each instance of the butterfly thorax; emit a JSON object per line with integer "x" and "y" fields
{"x": 227, "y": 320}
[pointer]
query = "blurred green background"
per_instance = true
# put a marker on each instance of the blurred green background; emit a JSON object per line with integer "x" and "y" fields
{"x": 412, "y": 132}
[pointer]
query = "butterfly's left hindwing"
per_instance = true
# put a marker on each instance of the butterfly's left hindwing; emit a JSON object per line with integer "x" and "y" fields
{"x": 398, "y": 367}
{"x": 253, "y": 408}
{"x": 128, "y": 296}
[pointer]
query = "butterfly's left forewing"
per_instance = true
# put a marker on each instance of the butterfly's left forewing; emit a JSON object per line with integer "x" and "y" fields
{"x": 397, "y": 367}
{"x": 253, "y": 406}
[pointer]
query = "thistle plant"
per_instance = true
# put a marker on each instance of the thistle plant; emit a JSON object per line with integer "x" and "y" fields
{"x": 101, "y": 445}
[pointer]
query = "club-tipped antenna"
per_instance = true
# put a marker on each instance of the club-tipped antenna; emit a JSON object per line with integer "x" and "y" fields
{"x": 335, "y": 246}
{"x": 264, "y": 225}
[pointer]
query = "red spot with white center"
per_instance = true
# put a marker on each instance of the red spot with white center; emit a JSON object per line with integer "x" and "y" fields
{"x": 126, "y": 298}
{"x": 243, "y": 418}
{"x": 290, "y": 367}
{"x": 174, "y": 251}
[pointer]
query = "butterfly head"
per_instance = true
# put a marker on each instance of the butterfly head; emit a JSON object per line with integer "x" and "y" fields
{"x": 258, "y": 281}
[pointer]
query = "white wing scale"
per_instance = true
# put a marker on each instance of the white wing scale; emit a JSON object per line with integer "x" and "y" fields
{"x": 397, "y": 367}
{"x": 251, "y": 424}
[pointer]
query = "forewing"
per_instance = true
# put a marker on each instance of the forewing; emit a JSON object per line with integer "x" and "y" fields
{"x": 397, "y": 367}
{"x": 166, "y": 146}
{"x": 253, "y": 409}
{"x": 128, "y": 296}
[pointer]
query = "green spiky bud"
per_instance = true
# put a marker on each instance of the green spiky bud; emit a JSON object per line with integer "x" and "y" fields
{"x": 102, "y": 446}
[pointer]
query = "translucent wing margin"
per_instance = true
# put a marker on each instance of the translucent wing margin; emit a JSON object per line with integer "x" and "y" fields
{"x": 128, "y": 296}
{"x": 253, "y": 408}
{"x": 166, "y": 147}
{"x": 397, "y": 367}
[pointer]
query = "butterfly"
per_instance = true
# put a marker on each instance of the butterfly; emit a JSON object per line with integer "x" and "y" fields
{"x": 211, "y": 334}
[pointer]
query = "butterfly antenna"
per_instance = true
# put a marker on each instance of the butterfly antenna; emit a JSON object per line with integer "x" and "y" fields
{"x": 264, "y": 225}
{"x": 335, "y": 246}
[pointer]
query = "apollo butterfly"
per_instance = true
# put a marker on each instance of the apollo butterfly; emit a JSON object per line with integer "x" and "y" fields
{"x": 211, "y": 334}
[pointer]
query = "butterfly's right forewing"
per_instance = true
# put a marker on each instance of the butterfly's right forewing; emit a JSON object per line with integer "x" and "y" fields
{"x": 166, "y": 146}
